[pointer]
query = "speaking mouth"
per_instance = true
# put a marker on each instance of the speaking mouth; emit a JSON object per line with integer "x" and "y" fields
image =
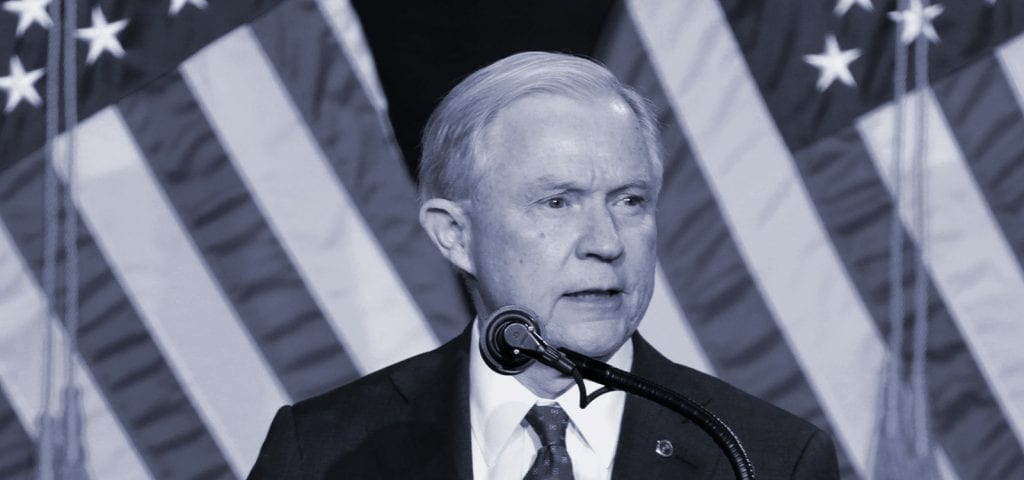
{"x": 594, "y": 293}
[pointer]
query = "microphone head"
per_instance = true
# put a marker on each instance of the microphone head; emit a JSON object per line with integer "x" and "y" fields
{"x": 496, "y": 351}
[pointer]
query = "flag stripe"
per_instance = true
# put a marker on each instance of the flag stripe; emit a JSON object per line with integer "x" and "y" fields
{"x": 987, "y": 104}
{"x": 328, "y": 95}
{"x": 719, "y": 294}
{"x": 762, "y": 197}
{"x": 703, "y": 266}
{"x": 311, "y": 214}
{"x": 700, "y": 258}
{"x": 108, "y": 451}
{"x": 946, "y": 470}
{"x": 974, "y": 270}
{"x": 987, "y": 122}
{"x": 348, "y": 33}
{"x": 183, "y": 308}
{"x": 23, "y": 308}
{"x": 235, "y": 240}
{"x": 1001, "y": 179}
{"x": 128, "y": 368}
{"x": 17, "y": 450}
{"x": 1011, "y": 57}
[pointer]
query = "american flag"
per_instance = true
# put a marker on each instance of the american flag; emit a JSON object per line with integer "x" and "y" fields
{"x": 247, "y": 232}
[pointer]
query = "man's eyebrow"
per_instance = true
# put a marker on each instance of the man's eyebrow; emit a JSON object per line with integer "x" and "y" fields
{"x": 639, "y": 183}
{"x": 552, "y": 182}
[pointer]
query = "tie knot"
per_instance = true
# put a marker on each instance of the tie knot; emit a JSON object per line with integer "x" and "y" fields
{"x": 549, "y": 421}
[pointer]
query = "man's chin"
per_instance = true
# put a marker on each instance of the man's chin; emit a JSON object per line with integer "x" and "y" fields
{"x": 600, "y": 348}
{"x": 594, "y": 334}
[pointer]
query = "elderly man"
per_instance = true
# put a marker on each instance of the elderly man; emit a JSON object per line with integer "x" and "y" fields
{"x": 539, "y": 181}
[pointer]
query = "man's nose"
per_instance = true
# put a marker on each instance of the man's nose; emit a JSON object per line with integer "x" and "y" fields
{"x": 600, "y": 236}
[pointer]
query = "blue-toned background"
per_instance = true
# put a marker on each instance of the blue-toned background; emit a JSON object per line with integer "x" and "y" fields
{"x": 247, "y": 237}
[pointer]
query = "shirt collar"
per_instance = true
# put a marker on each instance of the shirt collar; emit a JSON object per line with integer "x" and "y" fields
{"x": 498, "y": 404}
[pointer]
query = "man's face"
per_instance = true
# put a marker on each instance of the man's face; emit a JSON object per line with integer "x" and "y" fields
{"x": 563, "y": 219}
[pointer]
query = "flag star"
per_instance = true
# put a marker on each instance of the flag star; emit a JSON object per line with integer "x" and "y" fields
{"x": 916, "y": 20}
{"x": 834, "y": 64}
{"x": 102, "y": 36}
{"x": 177, "y": 5}
{"x": 20, "y": 85}
{"x": 844, "y": 6}
{"x": 29, "y": 12}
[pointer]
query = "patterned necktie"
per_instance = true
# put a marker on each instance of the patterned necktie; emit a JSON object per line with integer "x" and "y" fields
{"x": 552, "y": 461}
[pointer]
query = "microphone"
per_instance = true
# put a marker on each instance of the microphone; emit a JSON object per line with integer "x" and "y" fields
{"x": 512, "y": 342}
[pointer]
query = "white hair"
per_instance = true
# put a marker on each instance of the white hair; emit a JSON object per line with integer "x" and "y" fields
{"x": 448, "y": 167}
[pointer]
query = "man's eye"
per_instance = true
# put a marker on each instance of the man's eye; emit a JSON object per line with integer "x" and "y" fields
{"x": 633, "y": 201}
{"x": 556, "y": 202}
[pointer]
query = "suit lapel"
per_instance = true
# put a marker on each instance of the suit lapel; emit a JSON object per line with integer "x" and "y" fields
{"x": 432, "y": 438}
{"x": 655, "y": 441}
{"x": 431, "y": 435}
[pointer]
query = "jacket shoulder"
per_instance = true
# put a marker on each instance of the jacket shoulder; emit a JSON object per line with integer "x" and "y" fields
{"x": 746, "y": 408}
{"x": 334, "y": 434}
{"x": 374, "y": 395}
{"x": 718, "y": 395}
{"x": 779, "y": 443}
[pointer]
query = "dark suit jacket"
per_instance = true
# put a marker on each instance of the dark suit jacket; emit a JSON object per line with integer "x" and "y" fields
{"x": 411, "y": 420}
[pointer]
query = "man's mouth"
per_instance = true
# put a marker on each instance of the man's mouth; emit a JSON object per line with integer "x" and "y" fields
{"x": 595, "y": 294}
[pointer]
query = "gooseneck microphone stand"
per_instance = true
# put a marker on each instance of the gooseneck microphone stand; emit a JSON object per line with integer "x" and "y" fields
{"x": 512, "y": 342}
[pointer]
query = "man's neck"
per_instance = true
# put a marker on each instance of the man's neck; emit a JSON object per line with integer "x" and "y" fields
{"x": 544, "y": 381}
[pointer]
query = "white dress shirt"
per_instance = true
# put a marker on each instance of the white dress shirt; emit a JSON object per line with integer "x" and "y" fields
{"x": 504, "y": 445}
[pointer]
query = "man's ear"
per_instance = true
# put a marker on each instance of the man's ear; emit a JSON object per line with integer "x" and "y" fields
{"x": 447, "y": 224}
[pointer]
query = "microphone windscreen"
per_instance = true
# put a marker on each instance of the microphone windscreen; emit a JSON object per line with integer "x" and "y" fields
{"x": 496, "y": 352}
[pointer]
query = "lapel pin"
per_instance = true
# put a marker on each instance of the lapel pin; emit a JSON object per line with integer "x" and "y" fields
{"x": 663, "y": 448}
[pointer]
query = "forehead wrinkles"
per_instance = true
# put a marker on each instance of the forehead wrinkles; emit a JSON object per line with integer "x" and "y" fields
{"x": 501, "y": 134}
{"x": 573, "y": 117}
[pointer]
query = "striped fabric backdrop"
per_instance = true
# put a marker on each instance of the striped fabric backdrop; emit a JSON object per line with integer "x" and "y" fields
{"x": 248, "y": 237}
